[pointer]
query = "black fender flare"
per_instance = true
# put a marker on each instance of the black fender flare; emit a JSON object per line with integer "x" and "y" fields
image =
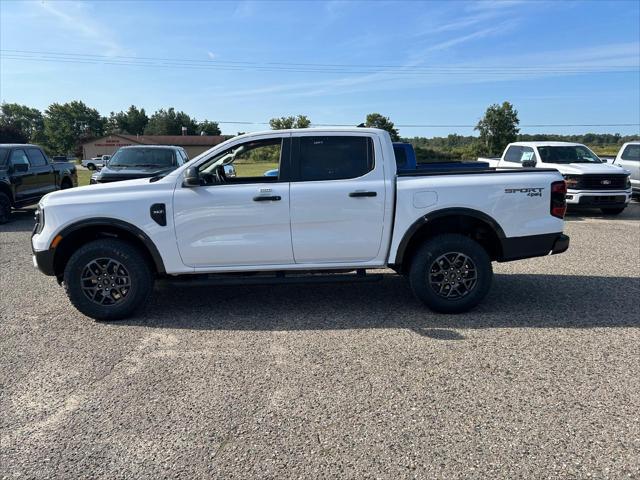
{"x": 445, "y": 212}
{"x": 121, "y": 224}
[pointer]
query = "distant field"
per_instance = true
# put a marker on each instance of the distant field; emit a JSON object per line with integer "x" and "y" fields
{"x": 253, "y": 169}
{"x": 83, "y": 177}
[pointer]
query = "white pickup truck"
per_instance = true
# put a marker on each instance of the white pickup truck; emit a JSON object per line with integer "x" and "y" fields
{"x": 96, "y": 162}
{"x": 591, "y": 183}
{"x": 629, "y": 158}
{"x": 337, "y": 205}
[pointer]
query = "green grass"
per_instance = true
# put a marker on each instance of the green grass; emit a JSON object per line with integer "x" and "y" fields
{"x": 83, "y": 177}
{"x": 253, "y": 169}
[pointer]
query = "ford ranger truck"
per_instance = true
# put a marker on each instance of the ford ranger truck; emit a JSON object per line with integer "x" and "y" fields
{"x": 337, "y": 205}
{"x": 591, "y": 182}
{"x": 27, "y": 174}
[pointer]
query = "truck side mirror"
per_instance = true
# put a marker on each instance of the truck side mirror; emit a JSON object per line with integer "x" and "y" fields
{"x": 20, "y": 167}
{"x": 529, "y": 163}
{"x": 191, "y": 177}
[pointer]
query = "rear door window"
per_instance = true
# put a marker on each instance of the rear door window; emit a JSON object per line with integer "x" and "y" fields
{"x": 334, "y": 157}
{"x": 632, "y": 152}
{"x": 518, "y": 154}
{"x": 36, "y": 157}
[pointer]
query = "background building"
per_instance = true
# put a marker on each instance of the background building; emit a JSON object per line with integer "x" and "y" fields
{"x": 193, "y": 144}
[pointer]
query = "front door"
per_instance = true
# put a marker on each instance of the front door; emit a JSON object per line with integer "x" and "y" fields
{"x": 21, "y": 177}
{"x": 43, "y": 177}
{"x": 237, "y": 216}
{"x": 337, "y": 199}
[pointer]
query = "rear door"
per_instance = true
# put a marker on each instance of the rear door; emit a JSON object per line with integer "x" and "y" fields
{"x": 337, "y": 198}
{"x": 43, "y": 180}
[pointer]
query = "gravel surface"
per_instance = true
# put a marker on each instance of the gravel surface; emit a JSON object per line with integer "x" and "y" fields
{"x": 326, "y": 381}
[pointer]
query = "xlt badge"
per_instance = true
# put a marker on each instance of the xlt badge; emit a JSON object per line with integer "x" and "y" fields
{"x": 159, "y": 214}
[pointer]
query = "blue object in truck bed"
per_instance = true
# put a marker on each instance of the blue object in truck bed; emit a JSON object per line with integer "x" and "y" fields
{"x": 406, "y": 161}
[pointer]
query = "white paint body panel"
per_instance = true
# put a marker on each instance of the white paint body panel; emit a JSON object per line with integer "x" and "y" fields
{"x": 316, "y": 225}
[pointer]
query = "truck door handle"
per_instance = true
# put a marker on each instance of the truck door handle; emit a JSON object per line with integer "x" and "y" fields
{"x": 263, "y": 198}
{"x": 363, "y": 194}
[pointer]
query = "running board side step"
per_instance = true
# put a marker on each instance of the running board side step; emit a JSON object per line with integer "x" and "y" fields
{"x": 271, "y": 278}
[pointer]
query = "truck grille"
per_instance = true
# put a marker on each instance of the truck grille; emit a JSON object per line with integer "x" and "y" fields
{"x": 602, "y": 182}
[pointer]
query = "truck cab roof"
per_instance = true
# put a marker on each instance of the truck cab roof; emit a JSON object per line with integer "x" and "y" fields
{"x": 547, "y": 144}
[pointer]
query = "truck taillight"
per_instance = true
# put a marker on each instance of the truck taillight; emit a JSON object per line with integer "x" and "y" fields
{"x": 558, "y": 199}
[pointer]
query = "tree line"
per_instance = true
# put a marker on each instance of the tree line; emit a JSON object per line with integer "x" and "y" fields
{"x": 63, "y": 128}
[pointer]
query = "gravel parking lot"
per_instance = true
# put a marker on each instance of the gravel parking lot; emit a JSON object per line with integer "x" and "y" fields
{"x": 318, "y": 381}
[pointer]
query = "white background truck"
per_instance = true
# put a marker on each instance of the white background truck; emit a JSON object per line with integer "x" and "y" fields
{"x": 591, "y": 183}
{"x": 337, "y": 205}
{"x": 629, "y": 158}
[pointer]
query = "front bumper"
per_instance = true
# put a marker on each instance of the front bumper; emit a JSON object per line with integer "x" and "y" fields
{"x": 517, "y": 248}
{"x": 43, "y": 261}
{"x": 585, "y": 198}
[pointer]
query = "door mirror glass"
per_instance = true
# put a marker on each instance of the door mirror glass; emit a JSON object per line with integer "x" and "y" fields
{"x": 191, "y": 177}
{"x": 21, "y": 167}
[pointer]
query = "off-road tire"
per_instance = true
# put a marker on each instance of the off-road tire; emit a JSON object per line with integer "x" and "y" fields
{"x": 5, "y": 208}
{"x": 133, "y": 261}
{"x": 425, "y": 262}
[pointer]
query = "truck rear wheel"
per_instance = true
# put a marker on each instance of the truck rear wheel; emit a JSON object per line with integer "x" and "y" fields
{"x": 451, "y": 273}
{"x": 5, "y": 208}
{"x": 108, "y": 279}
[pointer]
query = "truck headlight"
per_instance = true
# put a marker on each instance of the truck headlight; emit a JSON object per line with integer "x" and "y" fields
{"x": 39, "y": 220}
{"x": 628, "y": 182}
{"x": 572, "y": 180}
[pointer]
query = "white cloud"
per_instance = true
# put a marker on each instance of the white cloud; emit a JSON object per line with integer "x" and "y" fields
{"x": 73, "y": 17}
{"x": 212, "y": 56}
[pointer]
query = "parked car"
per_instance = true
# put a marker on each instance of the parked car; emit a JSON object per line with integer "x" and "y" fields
{"x": 338, "y": 204}
{"x": 140, "y": 161}
{"x": 27, "y": 174}
{"x": 629, "y": 158}
{"x": 590, "y": 182}
{"x": 96, "y": 163}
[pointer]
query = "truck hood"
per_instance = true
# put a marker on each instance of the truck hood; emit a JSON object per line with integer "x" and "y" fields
{"x": 586, "y": 168}
{"x": 126, "y": 173}
{"x": 101, "y": 191}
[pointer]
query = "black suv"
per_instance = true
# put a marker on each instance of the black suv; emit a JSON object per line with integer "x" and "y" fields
{"x": 140, "y": 161}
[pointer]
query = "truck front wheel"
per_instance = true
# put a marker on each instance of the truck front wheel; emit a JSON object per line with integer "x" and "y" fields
{"x": 108, "y": 279}
{"x": 451, "y": 273}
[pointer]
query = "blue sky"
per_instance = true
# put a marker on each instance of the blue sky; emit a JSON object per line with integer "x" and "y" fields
{"x": 421, "y": 63}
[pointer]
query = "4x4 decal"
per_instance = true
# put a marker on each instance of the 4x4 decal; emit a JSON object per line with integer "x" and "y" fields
{"x": 531, "y": 192}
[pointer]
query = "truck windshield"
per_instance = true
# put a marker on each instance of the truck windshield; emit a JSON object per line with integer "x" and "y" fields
{"x": 142, "y": 157}
{"x": 567, "y": 154}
